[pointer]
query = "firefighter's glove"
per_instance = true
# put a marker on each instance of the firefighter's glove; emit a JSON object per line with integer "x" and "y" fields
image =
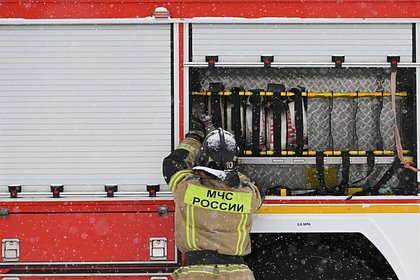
{"x": 208, "y": 123}
{"x": 197, "y": 129}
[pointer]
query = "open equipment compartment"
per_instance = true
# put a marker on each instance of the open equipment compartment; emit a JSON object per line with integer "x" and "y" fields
{"x": 314, "y": 131}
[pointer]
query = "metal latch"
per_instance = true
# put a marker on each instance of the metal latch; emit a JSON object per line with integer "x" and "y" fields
{"x": 159, "y": 278}
{"x": 10, "y": 250}
{"x": 4, "y": 212}
{"x": 163, "y": 211}
{"x": 158, "y": 248}
{"x": 10, "y": 278}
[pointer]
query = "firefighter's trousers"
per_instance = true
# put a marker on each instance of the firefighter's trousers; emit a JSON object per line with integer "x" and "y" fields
{"x": 214, "y": 272}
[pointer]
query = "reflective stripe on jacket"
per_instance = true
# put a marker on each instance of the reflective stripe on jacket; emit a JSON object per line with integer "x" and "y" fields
{"x": 212, "y": 269}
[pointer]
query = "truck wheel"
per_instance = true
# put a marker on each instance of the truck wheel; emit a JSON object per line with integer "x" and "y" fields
{"x": 293, "y": 256}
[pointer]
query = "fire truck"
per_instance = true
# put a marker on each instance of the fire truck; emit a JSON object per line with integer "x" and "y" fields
{"x": 320, "y": 95}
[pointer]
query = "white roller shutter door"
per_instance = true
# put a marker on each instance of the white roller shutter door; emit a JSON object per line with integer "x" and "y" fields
{"x": 300, "y": 43}
{"x": 84, "y": 105}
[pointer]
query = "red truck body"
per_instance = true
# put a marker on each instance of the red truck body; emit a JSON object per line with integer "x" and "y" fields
{"x": 130, "y": 235}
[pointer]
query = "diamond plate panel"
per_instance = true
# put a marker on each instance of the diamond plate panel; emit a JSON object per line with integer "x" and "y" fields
{"x": 319, "y": 137}
{"x": 313, "y": 79}
{"x": 273, "y": 176}
{"x": 387, "y": 125}
{"x": 343, "y": 124}
{"x": 367, "y": 124}
{"x": 293, "y": 177}
{"x": 358, "y": 173}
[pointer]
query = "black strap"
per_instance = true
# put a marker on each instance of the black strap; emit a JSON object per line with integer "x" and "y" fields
{"x": 203, "y": 257}
{"x": 396, "y": 164}
{"x": 277, "y": 110}
{"x": 370, "y": 158}
{"x": 320, "y": 171}
{"x": 266, "y": 126}
{"x": 236, "y": 118}
{"x": 207, "y": 103}
{"x": 244, "y": 100}
{"x": 215, "y": 110}
{"x": 256, "y": 104}
{"x": 225, "y": 113}
{"x": 300, "y": 141}
{"x": 345, "y": 173}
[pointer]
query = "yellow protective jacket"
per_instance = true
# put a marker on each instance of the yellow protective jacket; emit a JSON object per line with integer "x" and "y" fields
{"x": 209, "y": 215}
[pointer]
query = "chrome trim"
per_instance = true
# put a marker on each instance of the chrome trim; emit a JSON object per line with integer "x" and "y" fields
{"x": 95, "y": 21}
{"x": 74, "y": 196}
{"x": 310, "y": 160}
{"x": 210, "y": 20}
{"x": 302, "y": 65}
{"x": 19, "y": 264}
{"x": 83, "y": 274}
{"x": 284, "y": 20}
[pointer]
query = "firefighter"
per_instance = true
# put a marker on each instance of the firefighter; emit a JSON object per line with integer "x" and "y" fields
{"x": 214, "y": 206}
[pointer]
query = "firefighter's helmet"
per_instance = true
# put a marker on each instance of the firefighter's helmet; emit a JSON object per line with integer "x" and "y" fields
{"x": 218, "y": 152}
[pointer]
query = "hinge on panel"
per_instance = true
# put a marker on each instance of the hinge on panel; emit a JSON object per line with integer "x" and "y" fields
{"x": 338, "y": 60}
{"x": 14, "y": 190}
{"x": 267, "y": 59}
{"x": 56, "y": 190}
{"x": 4, "y": 212}
{"x": 111, "y": 190}
{"x": 10, "y": 250}
{"x": 153, "y": 189}
{"x": 158, "y": 248}
{"x": 212, "y": 59}
{"x": 394, "y": 60}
